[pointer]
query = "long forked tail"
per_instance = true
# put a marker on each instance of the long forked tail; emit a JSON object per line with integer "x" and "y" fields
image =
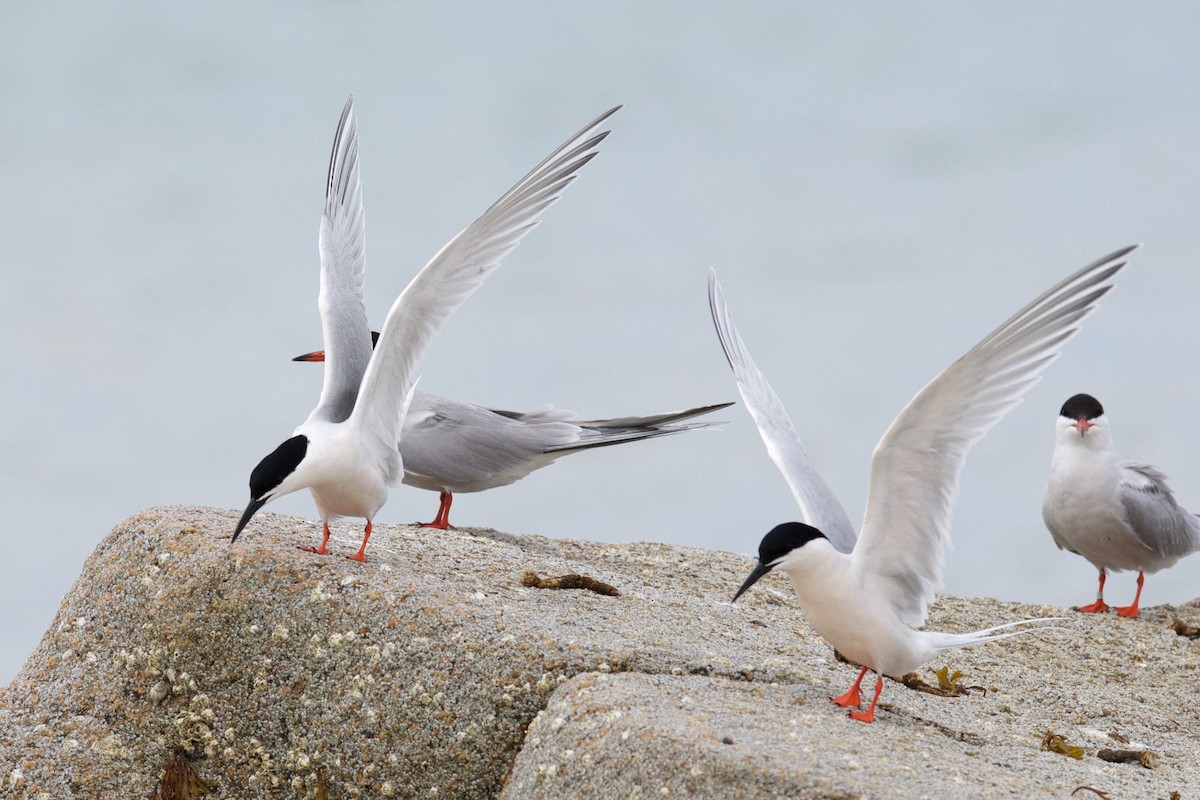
{"x": 940, "y": 641}
{"x": 652, "y": 421}
{"x": 605, "y": 432}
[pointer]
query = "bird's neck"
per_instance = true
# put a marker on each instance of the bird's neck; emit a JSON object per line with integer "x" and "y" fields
{"x": 817, "y": 571}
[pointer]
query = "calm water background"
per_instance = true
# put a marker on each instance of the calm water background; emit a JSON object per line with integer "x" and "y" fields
{"x": 877, "y": 185}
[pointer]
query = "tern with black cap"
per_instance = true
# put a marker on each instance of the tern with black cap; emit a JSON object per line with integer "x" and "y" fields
{"x": 345, "y": 452}
{"x": 1117, "y": 514}
{"x": 865, "y": 595}
{"x": 452, "y": 447}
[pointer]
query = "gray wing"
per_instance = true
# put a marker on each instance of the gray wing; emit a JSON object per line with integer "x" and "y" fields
{"x": 343, "y": 260}
{"x": 447, "y": 281}
{"x": 1158, "y": 521}
{"x": 462, "y": 447}
{"x": 818, "y": 505}
{"x": 916, "y": 465}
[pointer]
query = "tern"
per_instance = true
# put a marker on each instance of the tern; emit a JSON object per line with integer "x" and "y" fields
{"x": 452, "y": 447}
{"x": 345, "y": 452}
{"x": 866, "y": 594}
{"x": 1117, "y": 514}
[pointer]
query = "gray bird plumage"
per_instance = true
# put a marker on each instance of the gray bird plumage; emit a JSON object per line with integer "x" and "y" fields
{"x": 1118, "y": 514}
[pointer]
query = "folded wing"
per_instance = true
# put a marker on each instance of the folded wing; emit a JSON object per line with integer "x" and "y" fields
{"x": 1158, "y": 521}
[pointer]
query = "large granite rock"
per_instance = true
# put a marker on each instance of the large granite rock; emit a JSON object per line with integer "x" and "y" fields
{"x": 261, "y": 671}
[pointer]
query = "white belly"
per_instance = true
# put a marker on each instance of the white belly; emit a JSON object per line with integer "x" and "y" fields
{"x": 347, "y": 483}
{"x": 860, "y": 627}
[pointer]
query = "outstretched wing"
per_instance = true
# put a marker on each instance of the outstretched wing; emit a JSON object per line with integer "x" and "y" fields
{"x": 915, "y": 468}
{"x": 343, "y": 260}
{"x": 818, "y": 505}
{"x": 449, "y": 279}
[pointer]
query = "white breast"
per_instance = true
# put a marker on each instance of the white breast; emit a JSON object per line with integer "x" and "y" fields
{"x": 343, "y": 477}
{"x": 1083, "y": 510}
{"x": 861, "y": 626}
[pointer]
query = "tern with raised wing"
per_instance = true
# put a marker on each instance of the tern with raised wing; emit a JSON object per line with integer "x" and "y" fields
{"x": 345, "y": 452}
{"x": 452, "y": 447}
{"x": 1117, "y": 514}
{"x": 865, "y": 595}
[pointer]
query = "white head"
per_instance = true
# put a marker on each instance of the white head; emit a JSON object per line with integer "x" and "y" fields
{"x": 1082, "y": 422}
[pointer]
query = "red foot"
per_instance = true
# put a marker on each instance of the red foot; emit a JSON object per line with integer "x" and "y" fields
{"x": 361, "y": 555}
{"x": 1095, "y": 608}
{"x": 869, "y": 714}
{"x": 322, "y": 550}
{"x": 864, "y": 716}
{"x": 442, "y": 520}
{"x": 1099, "y": 606}
{"x": 851, "y": 697}
{"x": 1131, "y": 611}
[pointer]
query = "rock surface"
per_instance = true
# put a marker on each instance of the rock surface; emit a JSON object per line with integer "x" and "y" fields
{"x": 432, "y": 672}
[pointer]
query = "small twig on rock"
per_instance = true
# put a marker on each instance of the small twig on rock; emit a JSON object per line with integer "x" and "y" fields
{"x": 1183, "y": 629}
{"x": 572, "y": 581}
{"x": 1146, "y": 758}
{"x": 1100, "y": 794}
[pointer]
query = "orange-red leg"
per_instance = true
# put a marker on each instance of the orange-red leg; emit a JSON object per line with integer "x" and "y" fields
{"x": 442, "y": 520}
{"x": 1132, "y": 611}
{"x": 869, "y": 714}
{"x": 1099, "y": 605}
{"x": 322, "y": 550}
{"x": 851, "y": 697}
{"x": 361, "y": 555}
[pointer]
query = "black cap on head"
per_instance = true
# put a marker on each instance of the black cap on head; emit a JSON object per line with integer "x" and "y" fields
{"x": 783, "y": 539}
{"x": 281, "y": 462}
{"x": 1082, "y": 406}
{"x": 270, "y": 472}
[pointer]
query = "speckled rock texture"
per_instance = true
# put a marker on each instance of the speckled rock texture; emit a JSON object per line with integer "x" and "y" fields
{"x": 431, "y": 671}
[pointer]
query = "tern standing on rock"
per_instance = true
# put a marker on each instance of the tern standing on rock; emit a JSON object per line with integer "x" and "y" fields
{"x": 864, "y": 596}
{"x": 345, "y": 452}
{"x": 1117, "y": 514}
{"x": 452, "y": 447}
